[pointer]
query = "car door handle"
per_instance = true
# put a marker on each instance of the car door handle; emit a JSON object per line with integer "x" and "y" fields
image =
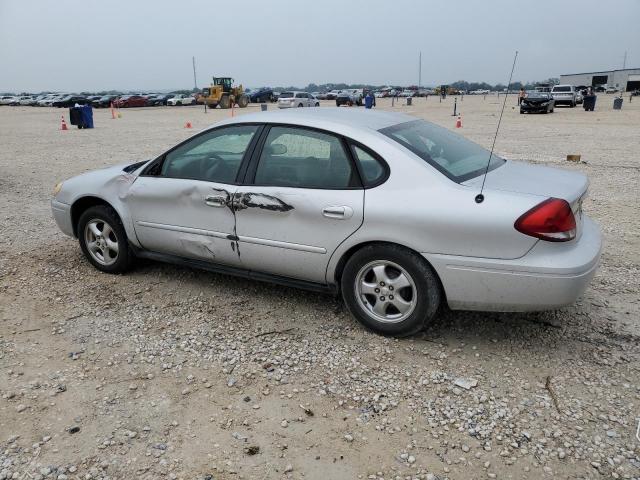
{"x": 215, "y": 201}
{"x": 339, "y": 212}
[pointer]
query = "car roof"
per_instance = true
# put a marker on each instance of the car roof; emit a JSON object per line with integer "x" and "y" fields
{"x": 315, "y": 117}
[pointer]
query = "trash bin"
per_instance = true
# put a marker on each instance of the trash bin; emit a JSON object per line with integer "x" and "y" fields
{"x": 589, "y": 103}
{"x": 617, "y": 103}
{"x": 82, "y": 116}
{"x": 409, "y": 101}
{"x": 87, "y": 116}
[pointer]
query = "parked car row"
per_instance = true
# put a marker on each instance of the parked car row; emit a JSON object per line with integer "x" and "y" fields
{"x": 64, "y": 100}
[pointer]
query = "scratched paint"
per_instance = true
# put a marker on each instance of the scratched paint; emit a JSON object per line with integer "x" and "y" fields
{"x": 246, "y": 200}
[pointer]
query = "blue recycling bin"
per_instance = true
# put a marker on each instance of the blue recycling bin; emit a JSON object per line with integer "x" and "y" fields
{"x": 86, "y": 111}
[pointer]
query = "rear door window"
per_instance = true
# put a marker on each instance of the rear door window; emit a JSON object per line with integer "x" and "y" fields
{"x": 304, "y": 158}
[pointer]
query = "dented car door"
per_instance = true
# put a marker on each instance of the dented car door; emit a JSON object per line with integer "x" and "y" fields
{"x": 182, "y": 204}
{"x": 302, "y": 198}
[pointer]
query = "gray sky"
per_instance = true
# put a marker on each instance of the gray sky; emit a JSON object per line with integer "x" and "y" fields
{"x": 74, "y": 45}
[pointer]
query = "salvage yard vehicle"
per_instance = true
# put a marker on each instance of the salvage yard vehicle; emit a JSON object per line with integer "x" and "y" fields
{"x": 181, "y": 99}
{"x": 537, "y": 102}
{"x": 69, "y": 101}
{"x": 104, "y": 101}
{"x": 262, "y": 95}
{"x": 127, "y": 101}
{"x": 564, "y": 95}
{"x": 349, "y": 97}
{"x": 297, "y": 99}
{"x": 379, "y": 206}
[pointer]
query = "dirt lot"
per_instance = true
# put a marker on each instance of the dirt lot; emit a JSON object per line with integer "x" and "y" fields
{"x": 172, "y": 373}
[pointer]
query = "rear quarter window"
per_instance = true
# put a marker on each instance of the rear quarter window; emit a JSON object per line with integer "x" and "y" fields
{"x": 373, "y": 169}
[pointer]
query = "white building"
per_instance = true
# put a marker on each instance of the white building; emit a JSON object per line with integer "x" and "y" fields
{"x": 626, "y": 80}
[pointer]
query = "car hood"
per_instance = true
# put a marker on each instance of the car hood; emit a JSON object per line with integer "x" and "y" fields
{"x": 520, "y": 177}
{"x": 537, "y": 100}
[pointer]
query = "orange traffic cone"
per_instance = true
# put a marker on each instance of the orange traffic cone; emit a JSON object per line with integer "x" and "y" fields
{"x": 459, "y": 122}
{"x": 64, "y": 124}
{"x": 188, "y": 125}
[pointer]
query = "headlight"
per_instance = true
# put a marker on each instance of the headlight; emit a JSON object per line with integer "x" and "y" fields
{"x": 57, "y": 188}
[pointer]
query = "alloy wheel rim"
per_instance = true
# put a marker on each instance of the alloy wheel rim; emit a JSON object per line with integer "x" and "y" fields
{"x": 385, "y": 291}
{"x": 101, "y": 242}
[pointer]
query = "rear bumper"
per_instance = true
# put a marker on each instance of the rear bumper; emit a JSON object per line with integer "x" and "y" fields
{"x": 564, "y": 100}
{"x": 549, "y": 276}
{"x": 62, "y": 216}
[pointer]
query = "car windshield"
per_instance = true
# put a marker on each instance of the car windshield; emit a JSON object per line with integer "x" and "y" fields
{"x": 456, "y": 157}
{"x": 532, "y": 94}
{"x": 565, "y": 88}
{"x": 286, "y": 95}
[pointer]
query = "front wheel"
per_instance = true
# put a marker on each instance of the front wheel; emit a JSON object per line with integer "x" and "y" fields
{"x": 390, "y": 289}
{"x": 103, "y": 240}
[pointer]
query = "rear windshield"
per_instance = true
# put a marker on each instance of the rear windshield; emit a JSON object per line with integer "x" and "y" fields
{"x": 456, "y": 157}
{"x": 565, "y": 88}
{"x": 286, "y": 95}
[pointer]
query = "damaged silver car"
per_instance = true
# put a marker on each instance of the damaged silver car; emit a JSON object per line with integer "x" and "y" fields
{"x": 381, "y": 207}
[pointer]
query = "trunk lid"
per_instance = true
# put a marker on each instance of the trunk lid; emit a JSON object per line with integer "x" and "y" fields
{"x": 546, "y": 182}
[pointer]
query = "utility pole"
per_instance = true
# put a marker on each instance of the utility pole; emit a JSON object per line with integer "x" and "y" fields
{"x": 624, "y": 60}
{"x": 195, "y": 83}
{"x": 420, "y": 71}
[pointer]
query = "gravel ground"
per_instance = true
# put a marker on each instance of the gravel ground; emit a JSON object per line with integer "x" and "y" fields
{"x": 174, "y": 373}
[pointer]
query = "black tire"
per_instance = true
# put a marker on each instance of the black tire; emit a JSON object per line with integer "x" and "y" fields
{"x": 124, "y": 258}
{"x": 300, "y": 105}
{"x": 317, "y": 104}
{"x": 425, "y": 283}
{"x": 225, "y": 102}
{"x": 521, "y": 112}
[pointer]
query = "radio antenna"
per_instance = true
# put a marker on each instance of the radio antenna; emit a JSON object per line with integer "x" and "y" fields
{"x": 480, "y": 196}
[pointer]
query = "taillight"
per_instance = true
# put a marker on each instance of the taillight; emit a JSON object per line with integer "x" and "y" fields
{"x": 551, "y": 220}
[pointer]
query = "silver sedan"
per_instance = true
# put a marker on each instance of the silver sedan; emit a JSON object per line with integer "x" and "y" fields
{"x": 381, "y": 207}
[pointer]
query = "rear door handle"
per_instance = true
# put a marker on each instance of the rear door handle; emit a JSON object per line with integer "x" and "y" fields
{"x": 215, "y": 201}
{"x": 337, "y": 211}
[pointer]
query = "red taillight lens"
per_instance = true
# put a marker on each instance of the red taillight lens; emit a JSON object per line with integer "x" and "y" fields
{"x": 551, "y": 220}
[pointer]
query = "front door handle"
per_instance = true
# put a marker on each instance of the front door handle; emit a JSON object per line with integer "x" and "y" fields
{"x": 337, "y": 211}
{"x": 215, "y": 201}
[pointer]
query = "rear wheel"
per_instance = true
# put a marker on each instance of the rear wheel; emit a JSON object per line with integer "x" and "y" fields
{"x": 103, "y": 239}
{"x": 300, "y": 105}
{"x": 390, "y": 289}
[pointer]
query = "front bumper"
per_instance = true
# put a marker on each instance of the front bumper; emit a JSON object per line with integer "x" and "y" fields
{"x": 549, "y": 276}
{"x": 529, "y": 108}
{"x": 62, "y": 216}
